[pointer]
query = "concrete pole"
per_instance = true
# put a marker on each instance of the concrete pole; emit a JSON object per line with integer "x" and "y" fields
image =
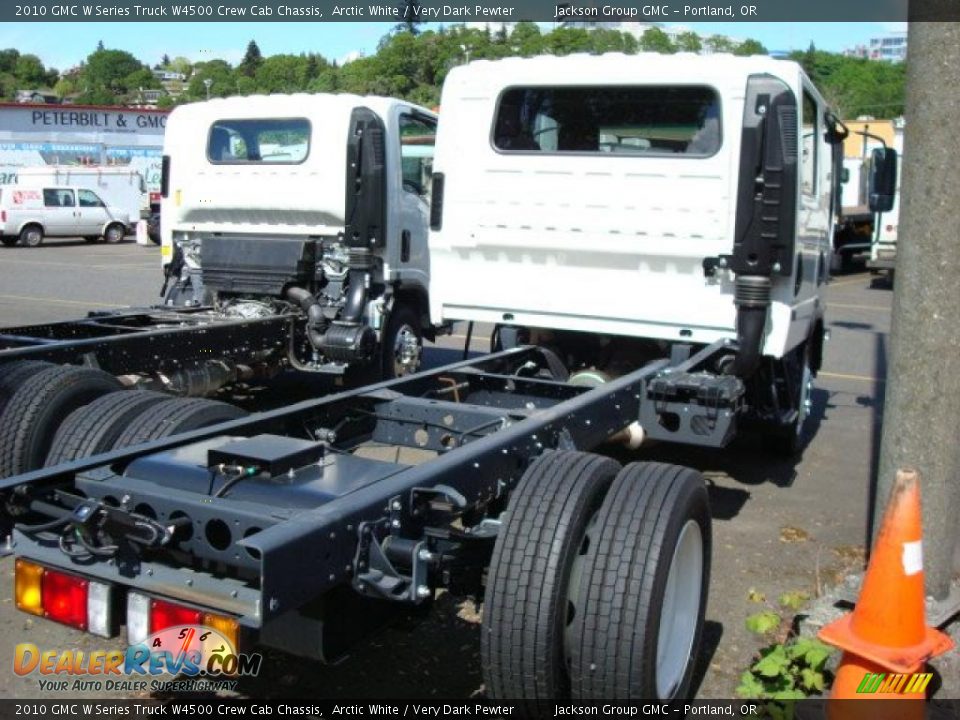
{"x": 921, "y": 420}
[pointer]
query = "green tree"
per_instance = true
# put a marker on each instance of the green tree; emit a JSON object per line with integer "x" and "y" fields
{"x": 656, "y": 40}
{"x": 565, "y": 40}
{"x": 750, "y": 47}
{"x": 180, "y": 65}
{"x": 8, "y": 60}
{"x": 252, "y": 60}
{"x": 412, "y": 14}
{"x": 108, "y": 76}
{"x": 689, "y": 42}
{"x": 719, "y": 44}
{"x": 223, "y": 81}
{"x": 526, "y": 39}
{"x": 283, "y": 74}
{"x": 165, "y": 61}
{"x": 30, "y": 72}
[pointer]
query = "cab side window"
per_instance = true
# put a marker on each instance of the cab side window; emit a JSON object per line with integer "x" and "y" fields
{"x": 810, "y": 135}
{"x": 87, "y": 198}
{"x": 417, "y": 138}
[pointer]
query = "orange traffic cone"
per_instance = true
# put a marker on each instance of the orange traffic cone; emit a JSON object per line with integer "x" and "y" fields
{"x": 886, "y": 641}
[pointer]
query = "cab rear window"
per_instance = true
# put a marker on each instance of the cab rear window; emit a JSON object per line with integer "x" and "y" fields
{"x": 621, "y": 120}
{"x": 277, "y": 141}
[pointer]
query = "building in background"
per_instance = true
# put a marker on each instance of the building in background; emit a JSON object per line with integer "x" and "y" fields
{"x": 39, "y": 134}
{"x": 891, "y": 47}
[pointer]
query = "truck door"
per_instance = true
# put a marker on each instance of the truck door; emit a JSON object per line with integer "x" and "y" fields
{"x": 814, "y": 224}
{"x": 92, "y": 213}
{"x": 59, "y": 211}
{"x": 416, "y": 140}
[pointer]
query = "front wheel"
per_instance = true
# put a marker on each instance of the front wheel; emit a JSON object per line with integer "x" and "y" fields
{"x": 9, "y": 240}
{"x": 402, "y": 343}
{"x": 790, "y": 439}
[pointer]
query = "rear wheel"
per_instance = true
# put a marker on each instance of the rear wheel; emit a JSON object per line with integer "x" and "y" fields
{"x": 115, "y": 233}
{"x": 526, "y": 600}
{"x": 94, "y": 428}
{"x": 31, "y": 235}
{"x": 790, "y": 439}
{"x": 14, "y": 374}
{"x": 641, "y": 594}
{"x": 36, "y": 410}
{"x": 174, "y": 416}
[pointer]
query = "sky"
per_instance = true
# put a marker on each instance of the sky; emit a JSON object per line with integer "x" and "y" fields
{"x": 64, "y": 45}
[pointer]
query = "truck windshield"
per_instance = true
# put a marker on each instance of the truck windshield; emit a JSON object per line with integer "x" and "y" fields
{"x": 283, "y": 141}
{"x": 629, "y": 120}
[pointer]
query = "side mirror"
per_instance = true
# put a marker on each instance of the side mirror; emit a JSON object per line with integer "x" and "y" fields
{"x": 882, "y": 189}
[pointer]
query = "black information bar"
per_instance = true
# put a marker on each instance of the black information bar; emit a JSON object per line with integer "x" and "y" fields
{"x": 210, "y": 706}
{"x": 492, "y": 11}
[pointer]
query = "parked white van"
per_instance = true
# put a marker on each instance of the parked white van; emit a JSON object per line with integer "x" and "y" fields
{"x": 28, "y": 213}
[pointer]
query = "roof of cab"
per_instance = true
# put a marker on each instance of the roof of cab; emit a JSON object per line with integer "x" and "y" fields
{"x": 278, "y": 105}
{"x": 616, "y": 68}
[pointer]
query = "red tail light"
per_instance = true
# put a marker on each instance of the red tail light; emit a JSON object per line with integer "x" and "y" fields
{"x": 3, "y": 215}
{"x": 164, "y": 615}
{"x": 65, "y": 599}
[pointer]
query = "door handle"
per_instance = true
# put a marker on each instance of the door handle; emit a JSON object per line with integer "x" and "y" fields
{"x": 405, "y": 246}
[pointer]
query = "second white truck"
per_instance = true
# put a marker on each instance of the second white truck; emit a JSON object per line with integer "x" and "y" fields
{"x": 313, "y": 203}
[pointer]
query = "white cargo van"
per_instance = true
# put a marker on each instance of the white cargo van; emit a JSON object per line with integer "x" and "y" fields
{"x": 118, "y": 186}
{"x": 28, "y": 213}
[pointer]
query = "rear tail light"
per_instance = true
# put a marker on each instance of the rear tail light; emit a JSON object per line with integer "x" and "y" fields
{"x": 69, "y": 599}
{"x": 3, "y": 215}
{"x": 147, "y": 615}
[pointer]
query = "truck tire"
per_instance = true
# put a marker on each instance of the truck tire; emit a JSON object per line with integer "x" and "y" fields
{"x": 115, "y": 233}
{"x": 14, "y": 374}
{"x": 526, "y": 598}
{"x": 94, "y": 428}
{"x": 402, "y": 346}
{"x": 37, "y": 409}
{"x": 31, "y": 235}
{"x": 173, "y": 416}
{"x": 789, "y": 440}
{"x": 642, "y": 592}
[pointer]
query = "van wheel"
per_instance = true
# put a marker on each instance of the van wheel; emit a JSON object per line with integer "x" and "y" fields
{"x": 402, "y": 343}
{"x": 36, "y": 410}
{"x": 31, "y": 235}
{"x": 526, "y": 606}
{"x": 115, "y": 233}
{"x": 9, "y": 241}
{"x": 639, "y": 592}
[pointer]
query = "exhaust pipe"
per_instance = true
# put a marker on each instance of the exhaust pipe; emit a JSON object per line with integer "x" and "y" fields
{"x": 752, "y": 298}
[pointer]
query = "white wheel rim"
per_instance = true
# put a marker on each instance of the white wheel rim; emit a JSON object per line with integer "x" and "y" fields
{"x": 680, "y": 610}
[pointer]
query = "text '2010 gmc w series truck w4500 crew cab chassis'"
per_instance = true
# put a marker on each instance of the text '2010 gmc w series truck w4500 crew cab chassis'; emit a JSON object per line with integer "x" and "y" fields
{"x": 312, "y": 214}
{"x": 661, "y": 226}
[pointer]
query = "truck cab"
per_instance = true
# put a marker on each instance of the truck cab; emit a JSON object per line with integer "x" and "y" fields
{"x": 312, "y": 204}
{"x": 613, "y": 206}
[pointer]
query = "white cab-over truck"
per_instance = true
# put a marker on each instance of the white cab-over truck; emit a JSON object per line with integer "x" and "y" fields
{"x": 317, "y": 202}
{"x": 621, "y": 207}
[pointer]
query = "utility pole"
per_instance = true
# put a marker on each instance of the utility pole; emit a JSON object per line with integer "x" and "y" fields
{"x": 921, "y": 420}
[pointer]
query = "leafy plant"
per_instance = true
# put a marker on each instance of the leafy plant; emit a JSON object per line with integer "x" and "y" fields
{"x": 791, "y": 670}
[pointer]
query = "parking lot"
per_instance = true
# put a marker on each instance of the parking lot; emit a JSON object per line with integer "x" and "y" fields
{"x": 780, "y": 526}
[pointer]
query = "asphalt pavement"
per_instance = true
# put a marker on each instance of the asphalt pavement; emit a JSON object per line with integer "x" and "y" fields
{"x": 781, "y": 526}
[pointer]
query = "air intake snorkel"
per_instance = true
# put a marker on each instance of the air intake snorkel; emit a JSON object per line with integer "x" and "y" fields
{"x": 766, "y": 219}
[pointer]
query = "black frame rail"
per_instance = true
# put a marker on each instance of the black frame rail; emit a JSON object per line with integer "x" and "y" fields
{"x": 146, "y": 339}
{"x": 486, "y": 419}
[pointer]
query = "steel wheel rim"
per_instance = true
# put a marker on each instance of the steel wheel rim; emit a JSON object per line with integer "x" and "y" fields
{"x": 680, "y": 610}
{"x": 406, "y": 351}
{"x": 114, "y": 235}
{"x": 33, "y": 238}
